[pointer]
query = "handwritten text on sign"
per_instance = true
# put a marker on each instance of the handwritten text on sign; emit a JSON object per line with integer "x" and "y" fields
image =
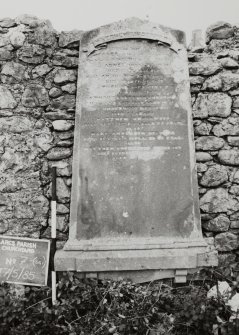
{"x": 24, "y": 260}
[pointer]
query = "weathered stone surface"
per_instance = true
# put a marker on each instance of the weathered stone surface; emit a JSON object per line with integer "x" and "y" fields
{"x": 66, "y": 102}
{"x": 196, "y": 80}
{"x": 219, "y": 224}
{"x": 235, "y": 102}
{"x": 201, "y": 167}
{"x": 236, "y": 177}
{"x": 224, "y": 81}
{"x": 234, "y": 224}
{"x": 18, "y": 124}
{"x": 5, "y": 54}
{"x": 233, "y": 141}
{"x": 44, "y": 140}
{"x": 219, "y": 30}
{"x": 32, "y": 21}
{"x": 55, "y": 92}
{"x": 214, "y": 176}
{"x": 64, "y": 76}
{"x": 7, "y": 22}
{"x": 4, "y": 226}
{"x": 4, "y": 40}
{"x": 9, "y": 186}
{"x": 17, "y": 39}
{"x": 203, "y": 157}
{"x": 222, "y": 54}
{"x": 43, "y": 36}
{"x": 63, "y": 192}
{"x": 200, "y": 109}
{"x": 59, "y": 153}
{"x": 213, "y": 84}
{"x": 209, "y": 241}
{"x": 234, "y": 92}
{"x": 69, "y": 88}
{"x": 14, "y": 70}
{"x": 209, "y": 143}
{"x": 59, "y": 115}
{"x": 62, "y": 125}
{"x": 202, "y": 191}
{"x": 229, "y": 126}
{"x": 62, "y": 223}
{"x": 212, "y": 104}
{"x": 3, "y": 200}
{"x": 65, "y": 143}
{"x": 69, "y": 182}
{"x": 66, "y": 38}
{"x": 195, "y": 88}
{"x": 225, "y": 259}
{"x": 229, "y": 63}
{"x": 229, "y": 80}
{"x": 65, "y": 171}
{"x": 61, "y": 59}
{"x": 229, "y": 157}
{"x": 234, "y": 53}
{"x": 66, "y": 135}
{"x": 6, "y": 112}
{"x": 207, "y": 216}
{"x": 31, "y": 53}
{"x": 3, "y": 30}
{"x": 62, "y": 209}
{"x": 226, "y": 241}
{"x": 234, "y": 189}
{"x": 6, "y": 98}
{"x": 203, "y": 128}
{"x": 40, "y": 124}
{"x": 234, "y": 216}
{"x": 24, "y": 212}
{"x": 61, "y": 164}
{"x": 206, "y": 67}
{"x": 35, "y": 95}
{"x": 41, "y": 70}
{"x": 217, "y": 201}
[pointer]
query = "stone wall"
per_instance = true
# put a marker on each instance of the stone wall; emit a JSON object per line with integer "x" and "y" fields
{"x": 38, "y": 77}
{"x": 37, "y": 104}
{"x": 214, "y": 76}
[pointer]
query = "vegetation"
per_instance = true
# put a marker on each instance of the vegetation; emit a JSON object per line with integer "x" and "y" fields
{"x": 87, "y": 307}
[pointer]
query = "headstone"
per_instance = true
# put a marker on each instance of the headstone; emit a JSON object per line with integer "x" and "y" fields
{"x": 134, "y": 198}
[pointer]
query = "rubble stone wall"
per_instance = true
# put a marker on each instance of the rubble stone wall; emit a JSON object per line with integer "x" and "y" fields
{"x": 38, "y": 75}
{"x": 214, "y": 77}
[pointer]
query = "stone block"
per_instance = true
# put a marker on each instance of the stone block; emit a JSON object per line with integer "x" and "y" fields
{"x": 209, "y": 143}
{"x": 226, "y": 241}
{"x": 229, "y": 157}
{"x": 6, "y": 98}
{"x": 219, "y": 30}
{"x": 218, "y": 201}
{"x": 214, "y": 176}
{"x": 220, "y": 223}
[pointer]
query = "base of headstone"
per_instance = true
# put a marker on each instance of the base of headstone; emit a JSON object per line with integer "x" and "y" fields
{"x": 138, "y": 263}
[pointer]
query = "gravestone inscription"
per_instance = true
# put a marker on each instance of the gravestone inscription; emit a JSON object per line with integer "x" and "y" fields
{"x": 134, "y": 185}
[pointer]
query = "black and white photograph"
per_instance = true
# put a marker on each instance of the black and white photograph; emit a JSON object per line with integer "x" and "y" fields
{"x": 119, "y": 167}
